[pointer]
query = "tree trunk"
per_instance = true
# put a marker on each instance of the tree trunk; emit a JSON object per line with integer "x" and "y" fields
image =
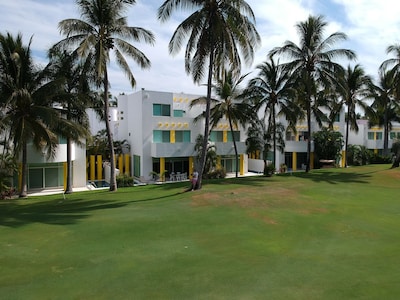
{"x": 274, "y": 135}
{"x": 68, "y": 188}
{"x": 347, "y": 136}
{"x": 113, "y": 180}
{"x": 234, "y": 146}
{"x": 24, "y": 188}
{"x": 309, "y": 135}
{"x": 207, "y": 122}
{"x": 386, "y": 132}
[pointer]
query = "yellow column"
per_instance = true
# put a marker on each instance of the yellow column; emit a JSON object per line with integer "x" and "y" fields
{"x": 65, "y": 169}
{"x": 191, "y": 165}
{"x": 294, "y": 161}
{"x": 120, "y": 164}
{"x": 225, "y": 136}
{"x": 99, "y": 167}
{"x": 172, "y": 140}
{"x": 92, "y": 167}
{"x": 343, "y": 158}
{"x": 218, "y": 161}
{"x": 127, "y": 164}
{"x": 375, "y": 139}
{"x": 312, "y": 160}
{"x": 162, "y": 166}
{"x": 241, "y": 164}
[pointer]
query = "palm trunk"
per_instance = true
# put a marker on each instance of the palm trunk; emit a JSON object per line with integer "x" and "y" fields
{"x": 68, "y": 188}
{"x": 385, "y": 132}
{"x": 235, "y": 147}
{"x": 113, "y": 180}
{"x": 274, "y": 135}
{"x": 24, "y": 188}
{"x": 309, "y": 134}
{"x": 347, "y": 137}
{"x": 207, "y": 122}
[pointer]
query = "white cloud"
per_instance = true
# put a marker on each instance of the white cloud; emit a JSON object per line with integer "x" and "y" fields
{"x": 371, "y": 26}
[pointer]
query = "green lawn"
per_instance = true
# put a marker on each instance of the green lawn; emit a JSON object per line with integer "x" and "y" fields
{"x": 328, "y": 234}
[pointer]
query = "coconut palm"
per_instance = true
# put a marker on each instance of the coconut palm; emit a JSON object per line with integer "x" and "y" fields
{"x": 27, "y": 94}
{"x": 229, "y": 106}
{"x": 312, "y": 62}
{"x": 385, "y": 103}
{"x": 353, "y": 88}
{"x": 73, "y": 100}
{"x": 218, "y": 31}
{"x": 103, "y": 29}
{"x": 273, "y": 92}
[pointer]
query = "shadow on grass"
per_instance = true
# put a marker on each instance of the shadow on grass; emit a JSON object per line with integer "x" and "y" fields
{"x": 15, "y": 213}
{"x": 333, "y": 177}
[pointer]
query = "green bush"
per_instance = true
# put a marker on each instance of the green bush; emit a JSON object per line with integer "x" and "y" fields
{"x": 380, "y": 159}
{"x": 217, "y": 173}
{"x": 269, "y": 169}
{"x": 124, "y": 180}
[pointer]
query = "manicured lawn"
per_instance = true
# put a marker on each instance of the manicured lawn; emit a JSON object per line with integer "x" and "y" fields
{"x": 329, "y": 234}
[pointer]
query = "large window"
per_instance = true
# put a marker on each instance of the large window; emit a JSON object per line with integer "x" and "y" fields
{"x": 371, "y": 135}
{"x": 217, "y": 136}
{"x": 178, "y": 113}
{"x": 395, "y": 135}
{"x": 236, "y": 134}
{"x": 161, "y": 136}
{"x": 162, "y": 110}
{"x": 182, "y": 136}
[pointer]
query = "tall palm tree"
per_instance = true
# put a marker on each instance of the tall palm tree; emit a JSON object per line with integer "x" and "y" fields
{"x": 103, "y": 29}
{"x": 230, "y": 106}
{"x": 353, "y": 88}
{"x": 73, "y": 100}
{"x": 385, "y": 103}
{"x": 312, "y": 62}
{"x": 27, "y": 93}
{"x": 217, "y": 32}
{"x": 273, "y": 91}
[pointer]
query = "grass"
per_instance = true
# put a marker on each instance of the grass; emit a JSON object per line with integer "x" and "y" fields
{"x": 328, "y": 234}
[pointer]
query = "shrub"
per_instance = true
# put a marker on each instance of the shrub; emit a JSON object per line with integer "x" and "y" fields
{"x": 380, "y": 159}
{"x": 124, "y": 181}
{"x": 269, "y": 169}
{"x": 217, "y": 173}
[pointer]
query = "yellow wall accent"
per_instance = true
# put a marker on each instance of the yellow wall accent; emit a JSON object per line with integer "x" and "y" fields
{"x": 92, "y": 167}
{"x": 294, "y": 161}
{"x": 162, "y": 165}
{"x": 225, "y": 136}
{"x": 191, "y": 165}
{"x": 99, "y": 167}
{"x": 218, "y": 161}
{"x": 241, "y": 164}
{"x": 127, "y": 164}
{"x": 172, "y": 141}
{"x": 376, "y": 151}
{"x": 120, "y": 164}
{"x": 343, "y": 158}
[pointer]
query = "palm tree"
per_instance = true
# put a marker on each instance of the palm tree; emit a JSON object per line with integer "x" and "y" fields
{"x": 27, "y": 93}
{"x": 216, "y": 31}
{"x": 229, "y": 107}
{"x": 312, "y": 62}
{"x": 211, "y": 155}
{"x": 385, "y": 104}
{"x": 103, "y": 29}
{"x": 353, "y": 89}
{"x": 73, "y": 101}
{"x": 272, "y": 90}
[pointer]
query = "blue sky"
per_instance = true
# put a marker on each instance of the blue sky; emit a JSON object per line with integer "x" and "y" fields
{"x": 371, "y": 26}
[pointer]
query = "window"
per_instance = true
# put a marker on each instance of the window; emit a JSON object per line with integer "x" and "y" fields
{"x": 336, "y": 118}
{"x": 182, "y": 136}
{"x": 371, "y": 135}
{"x": 161, "y": 136}
{"x": 217, "y": 136}
{"x": 395, "y": 135}
{"x": 178, "y": 113}
{"x": 290, "y": 136}
{"x": 379, "y": 135}
{"x": 303, "y": 135}
{"x": 236, "y": 134}
{"x": 162, "y": 110}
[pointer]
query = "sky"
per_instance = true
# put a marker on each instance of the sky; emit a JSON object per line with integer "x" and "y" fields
{"x": 371, "y": 26}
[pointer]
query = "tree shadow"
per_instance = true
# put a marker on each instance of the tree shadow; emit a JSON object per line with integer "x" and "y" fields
{"x": 15, "y": 213}
{"x": 333, "y": 177}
